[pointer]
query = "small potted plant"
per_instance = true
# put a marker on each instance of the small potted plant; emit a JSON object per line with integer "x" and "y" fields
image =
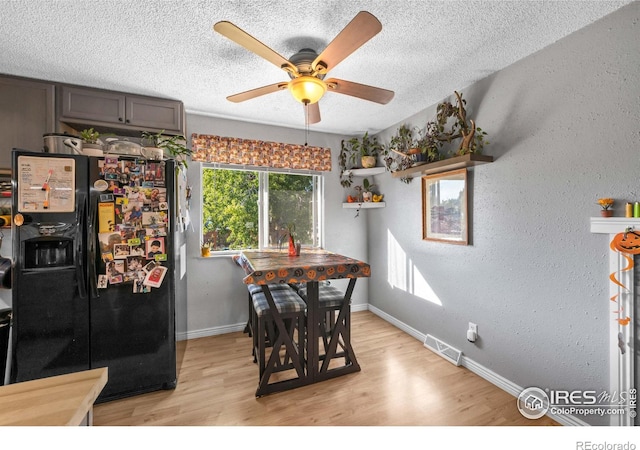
{"x": 91, "y": 143}
{"x": 172, "y": 146}
{"x": 205, "y": 249}
{"x": 606, "y": 204}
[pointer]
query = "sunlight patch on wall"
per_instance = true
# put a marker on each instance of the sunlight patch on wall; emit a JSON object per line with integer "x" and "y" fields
{"x": 396, "y": 263}
{"x": 403, "y": 274}
{"x": 422, "y": 289}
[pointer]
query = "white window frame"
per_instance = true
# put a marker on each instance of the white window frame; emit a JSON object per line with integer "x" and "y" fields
{"x": 263, "y": 203}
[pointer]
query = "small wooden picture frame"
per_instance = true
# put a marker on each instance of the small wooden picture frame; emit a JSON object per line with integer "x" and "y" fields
{"x": 444, "y": 207}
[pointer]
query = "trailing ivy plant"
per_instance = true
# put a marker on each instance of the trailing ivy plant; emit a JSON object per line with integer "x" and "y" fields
{"x": 434, "y": 136}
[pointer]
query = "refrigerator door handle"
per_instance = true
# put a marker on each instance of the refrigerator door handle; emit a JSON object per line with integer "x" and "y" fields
{"x": 91, "y": 245}
{"x": 80, "y": 257}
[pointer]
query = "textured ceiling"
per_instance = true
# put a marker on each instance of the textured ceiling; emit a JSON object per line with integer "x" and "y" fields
{"x": 167, "y": 48}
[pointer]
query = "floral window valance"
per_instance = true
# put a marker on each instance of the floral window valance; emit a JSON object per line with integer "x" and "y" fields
{"x": 228, "y": 150}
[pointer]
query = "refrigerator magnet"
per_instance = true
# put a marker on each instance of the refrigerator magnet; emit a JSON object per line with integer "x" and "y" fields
{"x": 101, "y": 185}
{"x": 155, "y": 277}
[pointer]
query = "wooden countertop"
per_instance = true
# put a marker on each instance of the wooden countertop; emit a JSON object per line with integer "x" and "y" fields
{"x": 60, "y": 400}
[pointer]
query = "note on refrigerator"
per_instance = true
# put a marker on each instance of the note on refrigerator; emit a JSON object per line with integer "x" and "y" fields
{"x": 106, "y": 217}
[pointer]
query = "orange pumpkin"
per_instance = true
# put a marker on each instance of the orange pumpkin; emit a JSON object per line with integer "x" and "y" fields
{"x": 628, "y": 242}
{"x": 311, "y": 274}
{"x": 283, "y": 273}
{"x": 270, "y": 275}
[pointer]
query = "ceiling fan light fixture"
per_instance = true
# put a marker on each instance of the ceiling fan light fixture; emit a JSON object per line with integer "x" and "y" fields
{"x": 307, "y": 89}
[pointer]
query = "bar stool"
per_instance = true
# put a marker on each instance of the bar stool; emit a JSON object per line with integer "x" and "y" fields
{"x": 331, "y": 300}
{"x": 254, "y": 288}
{"x": 292, "y": 311}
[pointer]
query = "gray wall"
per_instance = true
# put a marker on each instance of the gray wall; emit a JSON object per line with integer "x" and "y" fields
{"x": 217, "y": 297}
{"x": 563, "y": 126}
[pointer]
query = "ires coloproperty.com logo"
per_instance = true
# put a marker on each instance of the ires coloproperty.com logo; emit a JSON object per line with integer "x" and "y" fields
{"x": 534, "y": 402}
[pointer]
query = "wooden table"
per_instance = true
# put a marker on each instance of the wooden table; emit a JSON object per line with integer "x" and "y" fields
{"x": 60, "y": 400}
{"x": 311, "y": 267}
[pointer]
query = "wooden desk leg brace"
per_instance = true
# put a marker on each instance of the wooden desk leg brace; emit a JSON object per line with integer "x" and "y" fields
{"x": 285, "y": 339}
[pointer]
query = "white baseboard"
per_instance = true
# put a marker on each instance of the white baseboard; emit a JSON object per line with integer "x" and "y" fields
{"x": 478, "y": 369}
{"x": 205, "y": 332}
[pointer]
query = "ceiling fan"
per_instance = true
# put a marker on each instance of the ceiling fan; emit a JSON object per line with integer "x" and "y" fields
{"x": 307, "y": 69}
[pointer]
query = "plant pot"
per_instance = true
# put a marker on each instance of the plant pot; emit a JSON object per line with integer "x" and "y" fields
{"x": 606, "y": 212}
{"x": 367, "y": 196}
{"x": 205, "y": 251}
{"x": 368, "y": 162}
{"x": 89, "y": 149}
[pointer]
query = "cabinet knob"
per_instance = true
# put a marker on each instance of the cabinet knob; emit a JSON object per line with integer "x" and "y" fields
{"x": 119, "y": 119}
{"x": 127, "y": 120}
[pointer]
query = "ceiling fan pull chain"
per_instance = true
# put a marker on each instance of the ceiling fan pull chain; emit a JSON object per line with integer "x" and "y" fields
{"x": 306, "y": 123}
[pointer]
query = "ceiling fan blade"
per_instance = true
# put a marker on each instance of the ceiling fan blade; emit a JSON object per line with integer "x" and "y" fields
{"x": 253, "y": 93}
{"x": 363, "y": 91}
{"x": 313, "y": 111}
{"x": 362, "y": 27}
{"x": 247, "y": 41}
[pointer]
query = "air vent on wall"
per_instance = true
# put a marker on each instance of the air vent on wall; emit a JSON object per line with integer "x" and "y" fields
{"x": 440, "y": 348}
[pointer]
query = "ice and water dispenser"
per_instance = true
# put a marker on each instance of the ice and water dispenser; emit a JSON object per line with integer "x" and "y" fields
{"x": 47, "y": 246}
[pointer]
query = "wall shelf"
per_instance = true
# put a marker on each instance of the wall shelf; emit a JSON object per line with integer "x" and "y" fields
{"x": 365, "y": 172}
{"x": 457, "y": 162}
{"x": 363, "y": 205}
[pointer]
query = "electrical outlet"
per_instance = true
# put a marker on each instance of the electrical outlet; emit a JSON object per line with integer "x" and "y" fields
{"x": 472, "y": 332}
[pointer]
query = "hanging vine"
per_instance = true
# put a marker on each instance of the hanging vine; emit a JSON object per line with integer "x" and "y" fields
{"x": 406, "y": 150}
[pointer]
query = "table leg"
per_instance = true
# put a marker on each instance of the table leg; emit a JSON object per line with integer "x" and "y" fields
{"x": 313, "y": 320}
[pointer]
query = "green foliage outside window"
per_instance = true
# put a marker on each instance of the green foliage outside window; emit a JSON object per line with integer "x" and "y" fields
{"x": 290, "y": 202}
{"x": 230, "y": 208}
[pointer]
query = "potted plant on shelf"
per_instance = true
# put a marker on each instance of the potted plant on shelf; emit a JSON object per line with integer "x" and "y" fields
{"x": 606, "y": 204}
{"x": 172, "y": 147}
{"x": 401, "y": 144}
{"x": 449, "y": 124}
{"x": 366, "y": 148}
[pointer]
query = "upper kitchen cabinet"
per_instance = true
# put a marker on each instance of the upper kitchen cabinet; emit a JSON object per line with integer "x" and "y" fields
{"x": 115, "y": 111}
{"x": 26, "y": 113}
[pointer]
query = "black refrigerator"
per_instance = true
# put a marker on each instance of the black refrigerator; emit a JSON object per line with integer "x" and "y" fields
{"x": 93, "y": 277}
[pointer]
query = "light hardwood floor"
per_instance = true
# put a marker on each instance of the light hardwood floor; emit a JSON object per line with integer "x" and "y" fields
{"x": 401, "y": 383}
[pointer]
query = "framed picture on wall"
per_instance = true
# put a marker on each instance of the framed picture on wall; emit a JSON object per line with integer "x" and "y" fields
{"x": 444, "y": 207}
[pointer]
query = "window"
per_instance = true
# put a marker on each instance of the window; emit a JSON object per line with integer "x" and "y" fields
{"x": 253, "y": 209}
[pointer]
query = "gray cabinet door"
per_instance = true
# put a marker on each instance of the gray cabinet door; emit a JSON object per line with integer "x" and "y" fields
{"x": 90, "y": 105}
{"x": 106, "y": 110}
{"x": 26, "y": 113}
{"x": 154, "y": 113}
